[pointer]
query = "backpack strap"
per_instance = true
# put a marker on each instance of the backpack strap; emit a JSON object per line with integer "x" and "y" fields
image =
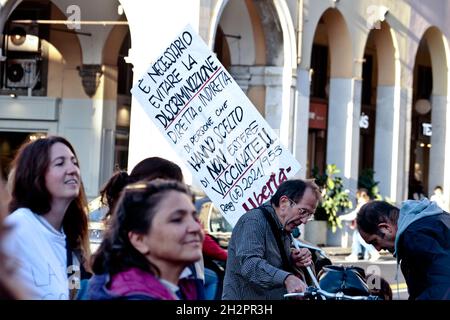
{"x": 69, "y": 256}
{"x": 84, "y": 274}
{"x": 277, "y": 234}
{"x": 191, "y": 288}
{"x": 77, "y": 286}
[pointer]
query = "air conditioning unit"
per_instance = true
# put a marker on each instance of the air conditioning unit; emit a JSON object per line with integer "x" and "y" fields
{"x": 22, "y": 38}
{"x": 21, "y": 73}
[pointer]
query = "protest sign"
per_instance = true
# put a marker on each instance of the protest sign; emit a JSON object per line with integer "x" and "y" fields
{"x": 200, "y": 109}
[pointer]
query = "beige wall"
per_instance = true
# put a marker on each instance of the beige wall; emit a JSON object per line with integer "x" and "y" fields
{"x": 257, "y": 95}
{"x": 55, "y": 71}
{"x": 258, "y": 34}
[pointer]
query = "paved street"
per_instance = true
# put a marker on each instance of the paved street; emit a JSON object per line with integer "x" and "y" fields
{"x": 385, "y": 267}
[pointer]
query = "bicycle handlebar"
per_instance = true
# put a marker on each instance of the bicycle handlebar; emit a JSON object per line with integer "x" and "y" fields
{"x": 315, "y": 292}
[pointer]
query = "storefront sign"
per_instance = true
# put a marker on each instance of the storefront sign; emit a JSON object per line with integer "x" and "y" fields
{"x": 426, "y": 129}
{"x": 318, "y": 115}
{"x": 364, "y": 121}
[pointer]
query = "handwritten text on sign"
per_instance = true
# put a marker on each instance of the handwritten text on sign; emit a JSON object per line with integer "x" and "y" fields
{"x": 200, "y": 109}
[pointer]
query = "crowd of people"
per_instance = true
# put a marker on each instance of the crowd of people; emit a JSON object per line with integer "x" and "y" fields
{"x": 155, "y": 247}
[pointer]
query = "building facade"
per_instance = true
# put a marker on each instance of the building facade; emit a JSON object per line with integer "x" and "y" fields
{"x": 362, "y": 84}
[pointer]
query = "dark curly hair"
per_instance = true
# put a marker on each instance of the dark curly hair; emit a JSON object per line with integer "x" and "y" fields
{"x": 134, "y": 211}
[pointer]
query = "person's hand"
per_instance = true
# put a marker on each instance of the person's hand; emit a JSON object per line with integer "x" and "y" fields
{"x": 301, "y": 257}
{"x": 294, "y": 284}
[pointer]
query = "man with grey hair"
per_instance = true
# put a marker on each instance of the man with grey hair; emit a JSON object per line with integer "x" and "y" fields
{"x": 259, "y": 255}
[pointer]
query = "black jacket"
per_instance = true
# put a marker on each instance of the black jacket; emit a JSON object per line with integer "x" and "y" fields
{"x": 424, "y": 251}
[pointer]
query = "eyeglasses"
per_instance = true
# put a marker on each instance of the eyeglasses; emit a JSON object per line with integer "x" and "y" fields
{"x": 302, "y": 211}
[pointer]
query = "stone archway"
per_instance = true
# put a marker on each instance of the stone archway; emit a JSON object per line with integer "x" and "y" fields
{"x": 117, "y": 82}
{"x": 386, "y": 73}
{"x": 341, "y": 128}
{"x": 5, "y": 11}
{"x": 343, "y": 101}
{"x": 432, "y": 58}
{"x": 259, "y": 52}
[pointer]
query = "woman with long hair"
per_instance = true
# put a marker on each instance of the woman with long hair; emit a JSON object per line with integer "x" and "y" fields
{"x": 154, "y": 234}
{"x": 48, "y": 240}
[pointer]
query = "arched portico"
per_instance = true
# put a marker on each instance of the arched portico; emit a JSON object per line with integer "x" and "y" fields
{"x": 387, "y": 111}
{"x": 257, "y": 45}
{"x": 429, "y": 162}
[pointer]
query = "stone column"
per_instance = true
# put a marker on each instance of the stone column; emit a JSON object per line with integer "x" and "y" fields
{"x": 386, "y": 155}
{"x": 277, "y": 97}
{"x": 273, "y": 80}
{"x": 301, "y": 119}
{"x": 439, "y": 169}
{"x": 343, "y": 128}
{"x": 242, "y": 75}
{"x": 404, "y": 144}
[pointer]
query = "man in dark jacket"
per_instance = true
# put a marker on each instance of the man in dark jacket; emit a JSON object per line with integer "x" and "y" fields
{"x": 419, "y": 236}
{"x": 255, "y": 266}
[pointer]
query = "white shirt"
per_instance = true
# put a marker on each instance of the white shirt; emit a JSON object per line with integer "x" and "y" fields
{"x": 39, "y": 250}
{"x": 440, "y": 200}
{"x": 171, "y": 287}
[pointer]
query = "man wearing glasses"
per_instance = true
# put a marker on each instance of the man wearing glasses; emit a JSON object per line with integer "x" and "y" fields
{"x": 259, "y": 264}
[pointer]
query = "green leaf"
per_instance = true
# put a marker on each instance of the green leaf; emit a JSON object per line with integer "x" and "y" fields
{"x": 335, "y": 198}
{"x": 330, "y": 184}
